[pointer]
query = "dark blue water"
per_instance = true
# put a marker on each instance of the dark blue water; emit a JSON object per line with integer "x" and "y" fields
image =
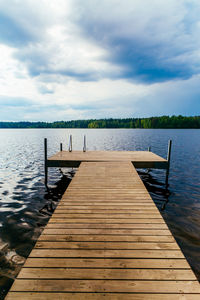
{"x": 25, "y": 204}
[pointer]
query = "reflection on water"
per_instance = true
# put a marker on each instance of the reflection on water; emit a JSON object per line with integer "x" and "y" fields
{"x": 25, "y": 205}
{"x": 158, "y": 190}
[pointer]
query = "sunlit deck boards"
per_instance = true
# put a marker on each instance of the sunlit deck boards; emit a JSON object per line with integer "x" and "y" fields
{"x": 106, "y": 240}
{"x": 140, "y": 159}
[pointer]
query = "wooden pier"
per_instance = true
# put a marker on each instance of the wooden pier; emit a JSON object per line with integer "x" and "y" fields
{"x": 106, "y": 238}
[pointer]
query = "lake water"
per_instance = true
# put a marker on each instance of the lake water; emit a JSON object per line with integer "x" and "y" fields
{"x": 25, "y": 205}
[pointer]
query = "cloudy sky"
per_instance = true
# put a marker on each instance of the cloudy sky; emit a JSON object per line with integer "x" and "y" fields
{"x": 78, "y": 59}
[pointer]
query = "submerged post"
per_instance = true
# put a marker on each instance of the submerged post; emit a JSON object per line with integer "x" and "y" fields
{"x": 61, "y": 147}
{"x": 70, "y": 143}
{"x": 45, "y": 162}
{"x": 168, "y": 162}
{"x": 84, "y": 144}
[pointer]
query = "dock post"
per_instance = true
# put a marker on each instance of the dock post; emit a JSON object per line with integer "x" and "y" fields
{"x": 61, "y": 148}
{"x": 149, "y": 149}
{"x": 70, "y": 143}
{"x": 45, "y": 162}
{"x": 168, "y": 162}
{"x": 84, "y": 144}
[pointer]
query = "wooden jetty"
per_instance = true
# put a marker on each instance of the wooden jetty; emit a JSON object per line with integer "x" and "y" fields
{"x": 106, "y": 238}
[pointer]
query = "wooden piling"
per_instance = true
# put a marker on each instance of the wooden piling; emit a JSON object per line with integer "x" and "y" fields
{"x": 45, "y": 162}
{"x": 70, "y": 143}
{"x": 168, "y": 163}
{"x": 84, "y": 143}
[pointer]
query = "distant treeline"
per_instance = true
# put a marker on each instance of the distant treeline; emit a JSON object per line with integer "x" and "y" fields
{"x": 153, "y": 122}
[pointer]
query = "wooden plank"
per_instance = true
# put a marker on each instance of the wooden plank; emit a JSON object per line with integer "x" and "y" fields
{"x": 106, "y": 221}
{"x": 106, "y": 245}
{"x": 98, "y": 296}
{"x": 106, "y": 253}
{"x": 110, "y": 199}
{"x": 112, "y": 211}
{"x": 107, "y": 207}
{"x": 109, "y": 263}
{"x": 106, "y": 193}
{"x": 128, "y": 274}
{"x": 106, "y": 226}
{"x": 125, "y": 193}
{"x": 103, "y": 191}
{"x": 108, "y": 216}
{"x": 117, "y": 286}
{"x": 105, "y": 203}
{"x": 131, "y": 203}
{"x": 108, "y": 231}
{"x": 132, "y": 198}
{"x": 105, "y": 197}
{"x": 108, "y": 185}
{"x": 104, "y": 238}
{"x": 79, "y": 180}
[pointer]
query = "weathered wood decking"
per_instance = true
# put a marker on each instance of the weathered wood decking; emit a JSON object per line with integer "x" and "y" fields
{"x": 106, "y": 240}
{"x": 140, "y": 159}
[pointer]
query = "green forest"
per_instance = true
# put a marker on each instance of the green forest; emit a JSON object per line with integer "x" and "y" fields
{"x": 153, "y": 122}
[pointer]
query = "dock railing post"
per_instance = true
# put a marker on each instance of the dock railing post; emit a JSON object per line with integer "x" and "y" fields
{"x": 70, "y": 143}
{"x": 45, "y": 162}
{"x": 84, "y": 144}
{"x": 168, "y": 162}
{"x": 61, "y": 148}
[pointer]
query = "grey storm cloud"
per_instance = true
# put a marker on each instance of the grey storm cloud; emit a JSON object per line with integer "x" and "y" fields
{"x": 155, "y": 41}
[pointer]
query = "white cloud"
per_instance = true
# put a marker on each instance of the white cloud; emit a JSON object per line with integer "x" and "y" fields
{"x": 14, "y": 79}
